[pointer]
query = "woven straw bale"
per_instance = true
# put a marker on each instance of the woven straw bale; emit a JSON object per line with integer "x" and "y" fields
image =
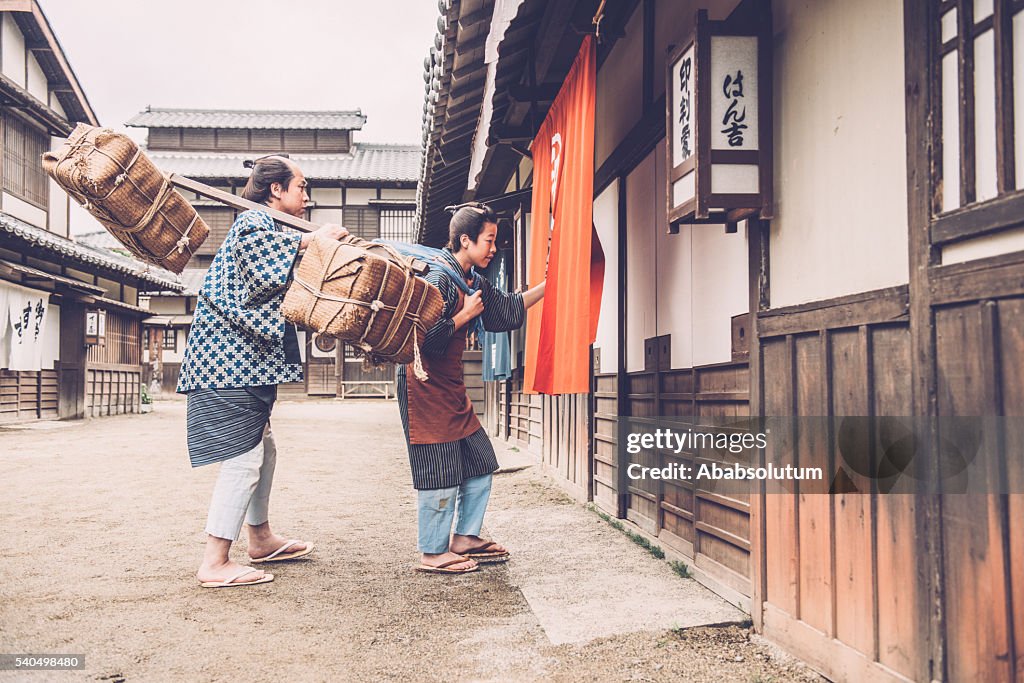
{"x": 108, "y": 174}
{"x": 346, "y": 291}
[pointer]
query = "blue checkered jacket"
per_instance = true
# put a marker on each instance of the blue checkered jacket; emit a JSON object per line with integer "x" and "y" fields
{"x": 237, "y": 336}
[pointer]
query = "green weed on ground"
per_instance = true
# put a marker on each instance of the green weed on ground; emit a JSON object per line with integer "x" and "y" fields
{"x": 641, "y": 541}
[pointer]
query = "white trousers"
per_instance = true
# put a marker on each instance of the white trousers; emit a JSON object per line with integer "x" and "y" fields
{"x": 242, "y": 491}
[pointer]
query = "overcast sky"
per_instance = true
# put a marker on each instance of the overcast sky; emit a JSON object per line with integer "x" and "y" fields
{"x": 252, "y": 54}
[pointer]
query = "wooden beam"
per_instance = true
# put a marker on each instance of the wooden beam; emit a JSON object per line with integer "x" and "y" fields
{"x": 546, "y": 92}
{"x": 880, "y": 306}
{"x": 471, "y": 45}
{"x": 922, "y": 102}
{"x": 473, "y": 87}
{"x": 502, "y": 133}
{"x": 550, "y": 38}
{"x": 976, "y": 220}
{"x": 477, "y": 17}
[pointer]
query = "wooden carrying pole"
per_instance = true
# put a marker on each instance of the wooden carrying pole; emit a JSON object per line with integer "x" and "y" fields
{"x": 234, "y": 201}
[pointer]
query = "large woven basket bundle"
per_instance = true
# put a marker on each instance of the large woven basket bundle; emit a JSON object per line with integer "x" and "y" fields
{"x": 108, "y": 174}
{"x": 366, "y": 295}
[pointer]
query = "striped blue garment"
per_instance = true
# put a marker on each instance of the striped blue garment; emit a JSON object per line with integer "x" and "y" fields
{"x": 224, "y": 423}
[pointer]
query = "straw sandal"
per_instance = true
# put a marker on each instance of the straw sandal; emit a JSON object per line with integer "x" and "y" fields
{"x": 444, "y": 568}
{"x": 233, "y": 582}
{"x": 483, "y": 554}
{"x": 280, "y": 555}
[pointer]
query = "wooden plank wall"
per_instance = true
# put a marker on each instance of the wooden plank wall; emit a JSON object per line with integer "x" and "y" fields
{"x": 112, "y": 390}
{"x": 843, "y": 586}
{"x": 113, "y": 371}
{"x": 526, "y": 417}
{"x": 169, "y": 374}
{"x": 979, "y": 361}
{"x": 606, "y": 458}
{"x": 566, "y": 442}
{"x": 28, "y": 395}
{"x": 711, "y": 529}
{"x": 491, "y": 410}
{"x": 472, "y": 370}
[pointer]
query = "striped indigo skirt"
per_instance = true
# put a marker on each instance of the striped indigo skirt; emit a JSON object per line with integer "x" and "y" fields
{"x": 444, "y": 465}
{"x": 224, "y": 423}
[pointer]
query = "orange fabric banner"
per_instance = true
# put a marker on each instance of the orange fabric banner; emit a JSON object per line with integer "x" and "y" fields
{"x": 564, "y": 246}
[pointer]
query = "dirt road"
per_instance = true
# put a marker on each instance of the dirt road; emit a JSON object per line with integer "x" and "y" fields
{"x": 104, "y": 532}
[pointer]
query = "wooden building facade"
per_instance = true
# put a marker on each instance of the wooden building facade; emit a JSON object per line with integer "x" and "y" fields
{"x": 885, "y": 280}
{"x": 79, "y": 304}
{"x": 369, "y": 188}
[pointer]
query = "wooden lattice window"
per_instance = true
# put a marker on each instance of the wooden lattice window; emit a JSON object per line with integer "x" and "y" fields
{"x": 979, "y": 106}
{"x": 23, "y": 170}
{"x": 398, "y": 224}
{"x": 362, "y": 221}
{"x": 170, "y": 341}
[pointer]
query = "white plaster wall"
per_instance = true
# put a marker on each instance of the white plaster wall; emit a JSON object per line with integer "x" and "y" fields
{"x": 58, "y": 210}
{"x": 984, "y": 247}
{"x": 37, "y": 85}
{"x": 330, "y": 196}
{"x": 56, "y": 106}
{"x": 322, "y": 216}
{"x": 395, "y": 193}
{"x": 80, "y": 219}
{"x": 840, "y": 222}
{"x": 720, "y": 290}
{"x": 619, "y": 101}
{"x": 12, "y": 50}
{"x": 606, "y": 221}
{"x": 19, "y": 208}
{"x": 359, "y": 195}
{"x": 179, "y": 355}
{"x": 167, "y": 305}
{"x": 675, "y": 275}
{"x": 641, "y": 261}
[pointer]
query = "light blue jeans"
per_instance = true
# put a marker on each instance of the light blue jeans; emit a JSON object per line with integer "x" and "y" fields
{"x": 437, "y": 508}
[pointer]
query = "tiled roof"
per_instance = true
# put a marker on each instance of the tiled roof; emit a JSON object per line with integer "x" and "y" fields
{"x": 81, "y": 253}
{"x": 242, "y": 118}
{"x": 192, "y": 279}
{"x": 102, "y": 240}
{"x": 364, "y": 162}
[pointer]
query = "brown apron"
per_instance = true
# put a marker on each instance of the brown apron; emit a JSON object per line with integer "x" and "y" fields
{"x": 439, "y": 409}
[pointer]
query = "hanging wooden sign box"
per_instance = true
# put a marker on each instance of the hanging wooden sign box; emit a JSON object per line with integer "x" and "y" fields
{"x": 718, "y": 157}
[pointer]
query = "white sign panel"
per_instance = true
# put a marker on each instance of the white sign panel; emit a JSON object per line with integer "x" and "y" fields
{"x": 684, "y": 108}
{"x": 734, "y": 112}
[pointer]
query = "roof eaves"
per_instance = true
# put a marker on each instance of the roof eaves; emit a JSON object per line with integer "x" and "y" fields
{"x": 55, "y": 244}
{"x": 33, "y": 14}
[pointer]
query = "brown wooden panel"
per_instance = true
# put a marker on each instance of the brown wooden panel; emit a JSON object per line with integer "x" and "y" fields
{"x": 883, "y": 305}
{"x": 678, "y": 382}
{"x": 164, "y": 138}
{"x": 726, "y": 379}
{"x": 900, "y": 617}
{"x": 1011, "y": 327}
{"x": 197, "y": 138}
{"x": 815, "y": 509}
{"x": 781, "y": 540}
{"x": 854, "y": 551}
{"x": 977, "y": 631}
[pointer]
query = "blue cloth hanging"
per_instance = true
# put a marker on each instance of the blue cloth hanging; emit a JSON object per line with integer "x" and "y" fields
{"x": 497, "y": 363}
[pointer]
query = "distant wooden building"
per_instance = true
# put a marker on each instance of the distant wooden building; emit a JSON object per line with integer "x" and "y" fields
{"x": 369, "y": 188}
{"x": 72, "y": 310}
{"x": 885, "y": 277}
